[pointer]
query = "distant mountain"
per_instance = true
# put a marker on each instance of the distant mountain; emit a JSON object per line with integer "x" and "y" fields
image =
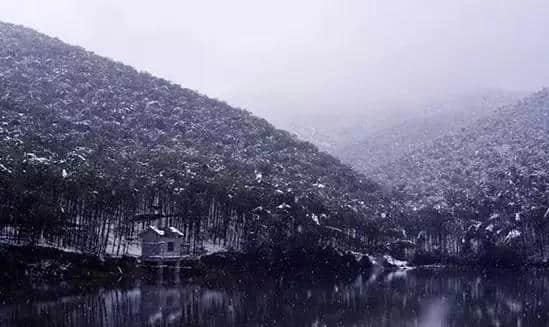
{"x": 381, "y": 134}
{"x": 88, "y": 144}
{"x": 504, "y": 153}
{"x": 417, "y": 128}
{"x": 330, "y": 131}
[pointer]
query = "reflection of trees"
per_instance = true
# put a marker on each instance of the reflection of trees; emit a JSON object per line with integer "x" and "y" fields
{"x": 394, "y": 299}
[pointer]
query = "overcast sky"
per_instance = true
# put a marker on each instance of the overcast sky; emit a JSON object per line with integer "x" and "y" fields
{"x": 282, "y": 57}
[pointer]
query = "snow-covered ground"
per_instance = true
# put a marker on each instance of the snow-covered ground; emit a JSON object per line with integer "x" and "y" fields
{"x": 210, "y": 247}
{"x": 390, "y": 261}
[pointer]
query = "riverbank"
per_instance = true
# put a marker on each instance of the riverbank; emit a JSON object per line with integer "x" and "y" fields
{"x": 495, "y": 258}
{"x": 28, "y": 265}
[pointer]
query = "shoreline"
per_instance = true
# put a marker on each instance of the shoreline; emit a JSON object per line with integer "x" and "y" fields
{"x": 28, "y": 266}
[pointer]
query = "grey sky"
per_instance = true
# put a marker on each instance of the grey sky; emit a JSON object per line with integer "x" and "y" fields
{"x": 282, "y": 57}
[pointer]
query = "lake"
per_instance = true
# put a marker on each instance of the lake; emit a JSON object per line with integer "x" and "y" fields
{"x": 403, "y": 298}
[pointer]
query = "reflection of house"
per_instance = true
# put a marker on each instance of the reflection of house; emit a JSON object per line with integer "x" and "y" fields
{"x": 161, "y": 306}
{"x": 162, "y": 243}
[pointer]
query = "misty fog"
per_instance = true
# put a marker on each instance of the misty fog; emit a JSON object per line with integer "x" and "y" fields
{"x": 311, "y": 58}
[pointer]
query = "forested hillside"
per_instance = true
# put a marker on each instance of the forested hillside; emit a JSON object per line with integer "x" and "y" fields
{"x": 89, "y": 146}
{"x": 417, "y": 129}
{"x": 468, "y": 176}
{"x": 485, "y": 186}
{"x": 92, "y": 151}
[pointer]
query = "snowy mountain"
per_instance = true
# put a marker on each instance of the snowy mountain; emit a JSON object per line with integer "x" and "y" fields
{"x": 512, "y": 143}
{"x": 417, "y": 129}
{"x": 469, "y": 169}
{"x": 381, "y": 134}
{"x": 92, "y": 151}
{"x": 485, "y": 183}
{"x": 88, "y": 144}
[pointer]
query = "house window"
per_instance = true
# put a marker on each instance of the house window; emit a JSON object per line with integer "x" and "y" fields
{"x": 170, "y": 246}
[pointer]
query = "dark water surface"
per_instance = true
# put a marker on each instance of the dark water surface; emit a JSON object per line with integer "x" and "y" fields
{"x": 412, "y": 298}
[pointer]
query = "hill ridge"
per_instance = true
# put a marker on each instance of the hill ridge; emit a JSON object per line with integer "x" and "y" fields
{"x": 84, "y": 122}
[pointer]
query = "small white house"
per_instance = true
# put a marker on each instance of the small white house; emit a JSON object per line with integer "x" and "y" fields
{"x": 159, "y": 243}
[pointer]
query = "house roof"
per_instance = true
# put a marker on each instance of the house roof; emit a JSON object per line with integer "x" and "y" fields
{"x": 176, "y": 231}
{"x": 157, "y": 230}
{"x": 163, "y": 231}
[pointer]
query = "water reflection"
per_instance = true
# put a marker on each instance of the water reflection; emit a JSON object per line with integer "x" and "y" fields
{"x": 413, "y": 298}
